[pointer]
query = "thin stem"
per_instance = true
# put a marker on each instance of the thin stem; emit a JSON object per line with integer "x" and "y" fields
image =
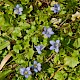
{"x": 65, "y": 20}
{"x": 50, "y": 57}
{"x": 56, "y": 72}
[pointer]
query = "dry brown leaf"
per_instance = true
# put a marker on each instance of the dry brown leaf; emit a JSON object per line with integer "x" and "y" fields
{"x": 76, "y": 15}
{"x": 5, "y": 59}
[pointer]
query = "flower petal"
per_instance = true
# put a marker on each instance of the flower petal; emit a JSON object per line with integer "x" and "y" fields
{"x": 39, "y": 68}
{"x": 29, "y": 72}
{"x": 20, "y": 13}
{"x": 51, "y": 32}
{"x": 56, "y": 50}
{"x": 51, "y": 48}
{"x": 48, "y": 35}
{"x": 22, "y": 71}
{"x": 45, "y": 29}
{"x": 35, "y": 70}
{"x": 55, "y": 11}
{"x": 28, "y": 68}
{"x": 52, "y": 42}
{"x": 17, "y": 6}
{"x": 35, "y": 62}
{"x": 41, "y": 47}
{"x": 15, "y": 12}
{"x": 39, "y": 64}
{"x": 26, "y": 76}
{"x": 43, "y": 32}
{"x": 39, "y": 52}
{"x": 20, "y": 9}
{"x": 56, "y": 8}
{"x": 52, "y": 8}
{"x": 37, "y": 48}
{"x": 49, "y": 29}
{"x": 58, "y": 41}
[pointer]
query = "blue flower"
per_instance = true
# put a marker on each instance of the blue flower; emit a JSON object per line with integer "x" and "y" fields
{"x": 39, "y": 48}
{"x": 25, "y": 71}
{"x": 56, "y": 8}
{"x": 47, "y": 32}
{"x": 18, "y": 9}
{"x": 55, "y": 45}
{"x": 36, "y": 66}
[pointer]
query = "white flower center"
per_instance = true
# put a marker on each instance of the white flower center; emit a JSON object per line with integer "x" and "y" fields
{"x": 26, "y": 72}
{"x": 17, "y": 10}
{"x": 35, "y": 65}
{"x": 56, "y": 45}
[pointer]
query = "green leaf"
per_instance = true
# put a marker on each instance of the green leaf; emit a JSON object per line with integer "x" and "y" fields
{"x": 2, "y": 20}
{"x": 26, "y": 44}
{"x": 4, "y": 45}
{"x": 39, "y": 3}
{"x": 16, "y": 48}
{"x": 23, "y": 17}
{"x": 77, "y": 43}
{"x": 33, "y": 28}
{"x": 29, "y": 78}
{"x": 50, "y": 70}
{"x": 25, "y": 1}
{"x": 45, "y": 40}
{"x": 4, "y": 74}
{"x": 75, "y": 53}
{"x": 61, "y": 0}
{"x": 23, "y": 25}
{"x": 35, "y": 40}
{"x": 62, "y": 12}
{"x": 19, "y": 59}
{"x": 30, "y": 9}
{"x": 9, "y": 3}
{"x": 30, "y": 53}
{"x": 56, "y": 58}
{"x": 62, "y": 52}
{"x": 16, "y": 33}
{"x": 59, "y": 76}
{"x": 71, "y": 61}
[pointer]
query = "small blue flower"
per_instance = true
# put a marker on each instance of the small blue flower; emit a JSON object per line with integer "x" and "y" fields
{"x": 56, "y": 8}
{"x": 39, "y": 48}
{"x": 36, "y": 66}
{"x": 55, "y": 45}
{"x": 18, "y": 9}
{"x": 47, "y": 32}
{"x": 25, "y": 71}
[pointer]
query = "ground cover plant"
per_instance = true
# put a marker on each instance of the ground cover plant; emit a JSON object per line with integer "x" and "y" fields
{"x": 39, "y": 39}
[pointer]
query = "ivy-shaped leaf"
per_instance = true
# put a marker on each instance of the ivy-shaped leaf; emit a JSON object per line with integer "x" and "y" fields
{"x": 77, "y": 43}
{"x": 16, "y": 48}
{"x": 30, "y": 53}
{"x": 71, "y": 61}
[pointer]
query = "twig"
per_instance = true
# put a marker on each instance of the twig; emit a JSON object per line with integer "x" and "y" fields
{"x": 65, "y": 20}
{"x": 50, "y": 57}
{"x": 56, "y": 72}
{"x": 6, "y": 58}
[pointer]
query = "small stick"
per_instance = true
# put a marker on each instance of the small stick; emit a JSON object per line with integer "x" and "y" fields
{"x": 65, "y": 20}
{"x": 6, "y": 58}
{"x": 50, "y": 57}
{"x": 56, "y": 72}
